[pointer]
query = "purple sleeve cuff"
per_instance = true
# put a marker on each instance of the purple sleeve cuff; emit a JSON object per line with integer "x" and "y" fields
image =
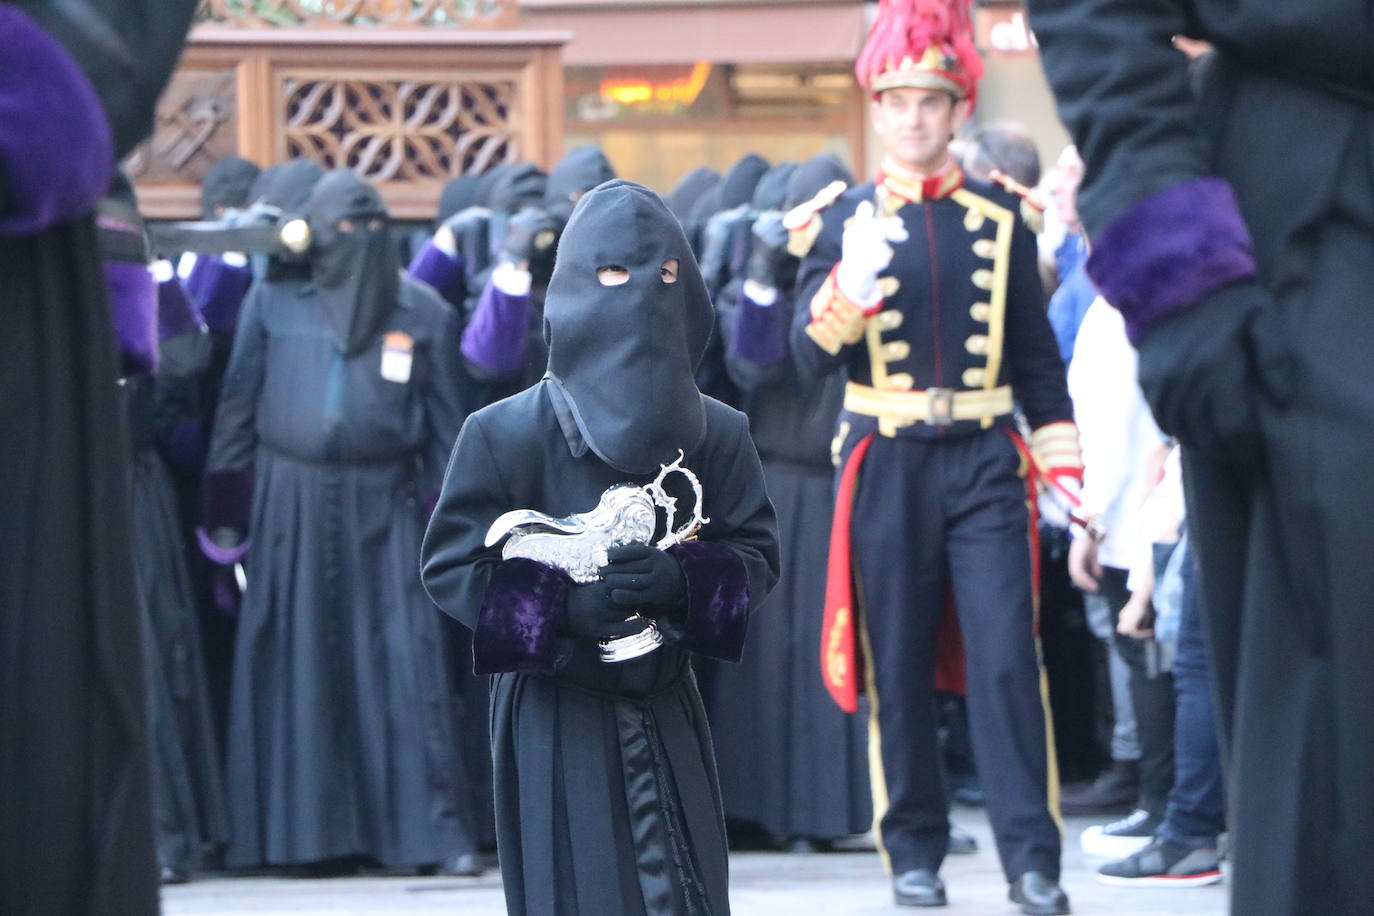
{"x": 175, "y": 316}
{"x": 133, "y": 312}
{"x": 218, "y": 290}
{"x": 221, "y": 556}
{"x": 227, "y": 500}
{"x": 442, "y": 271}
{"x": 760, "y": 332}
{"x": 717, "y": 600}
{"x": 56, "y": 148}
{"x": 516, "y": 623}
{"x": 1170, "y": 250}
{"x": 495, "y": 337}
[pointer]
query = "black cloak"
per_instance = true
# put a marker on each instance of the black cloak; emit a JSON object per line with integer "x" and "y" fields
{"x": 76, "y": 831}
{"x": 606, "y": 792}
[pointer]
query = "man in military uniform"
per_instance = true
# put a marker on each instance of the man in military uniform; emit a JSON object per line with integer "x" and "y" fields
{"x": 923, "y": 285}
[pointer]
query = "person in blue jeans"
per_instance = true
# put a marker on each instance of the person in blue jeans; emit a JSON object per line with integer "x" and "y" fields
{"x": 1183, "y": 852}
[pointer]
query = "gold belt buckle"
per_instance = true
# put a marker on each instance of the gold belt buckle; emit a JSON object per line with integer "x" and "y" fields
{"x": 941, "y": 406}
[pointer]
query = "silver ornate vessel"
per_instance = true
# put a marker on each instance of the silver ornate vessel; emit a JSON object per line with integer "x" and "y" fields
{"x": 578, "y": 544}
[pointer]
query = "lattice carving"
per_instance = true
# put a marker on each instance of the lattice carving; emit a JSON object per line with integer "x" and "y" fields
{"x": 196, "y": 125}
{"x": 400, "y": 129}
{"x": 295, "y": 13}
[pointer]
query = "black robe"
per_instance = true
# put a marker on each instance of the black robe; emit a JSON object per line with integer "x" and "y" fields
{"x": 192, "y": 821}
{"x": 342, "y": 732}
{"x": 606, "y": 790}
{"x": 791, "y": 761}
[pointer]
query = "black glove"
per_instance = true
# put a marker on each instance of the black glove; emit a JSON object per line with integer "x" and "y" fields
{"x": 644, "y": 579}
{"x": 528, "y": 232}
{"x": 1203, "y": 371}
{"x": 769, "y": 250}
{"x": 590, "y": 612}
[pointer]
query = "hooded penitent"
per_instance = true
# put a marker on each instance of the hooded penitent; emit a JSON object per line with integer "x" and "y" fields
{"x": 228, "y": 184}
{"x": 813, "y": 176}
{"x": 352, "y": 261}
{"x": 519, "y": 186}
{"x": 771, "y": 191}
{"x": 287, "y": 186}
{"x": 690, "y": 189}
{"x": 459, "y": 194}
{"x": 624, "y": 356}
{"x": 737, "y": 187}
{"x": 575, "y": 174}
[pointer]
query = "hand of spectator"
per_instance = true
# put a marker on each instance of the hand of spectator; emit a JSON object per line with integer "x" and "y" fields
{"x": 1084, "y": 568}
{"x": 1137, "y": 618}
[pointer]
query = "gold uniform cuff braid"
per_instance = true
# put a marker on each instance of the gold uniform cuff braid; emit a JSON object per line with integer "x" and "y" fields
{"x": 1055, "y": 445}
{"x": 836, "y": 321}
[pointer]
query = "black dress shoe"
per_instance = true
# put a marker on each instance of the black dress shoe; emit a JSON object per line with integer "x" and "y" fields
{"x": 1039, "y": 896}
{"x": 919, "y": 887}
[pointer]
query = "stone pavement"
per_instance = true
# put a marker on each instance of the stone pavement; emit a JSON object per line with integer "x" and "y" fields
{"x": 766, "y": 884}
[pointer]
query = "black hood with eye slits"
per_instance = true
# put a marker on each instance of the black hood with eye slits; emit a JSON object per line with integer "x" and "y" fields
{"x": 625, "y": 356}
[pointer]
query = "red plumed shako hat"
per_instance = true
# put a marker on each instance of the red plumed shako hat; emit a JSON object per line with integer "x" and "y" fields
{"x": 921, "y": 44}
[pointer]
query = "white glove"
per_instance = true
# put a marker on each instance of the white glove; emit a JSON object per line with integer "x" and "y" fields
{"x": 865, "y": 252}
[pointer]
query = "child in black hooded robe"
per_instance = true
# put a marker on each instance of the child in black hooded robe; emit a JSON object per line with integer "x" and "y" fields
{"x": 606, "y": 792}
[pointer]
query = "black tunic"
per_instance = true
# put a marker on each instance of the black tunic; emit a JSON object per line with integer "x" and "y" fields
{"x": 341, "y": 735}
{"x": 606, "y": 790}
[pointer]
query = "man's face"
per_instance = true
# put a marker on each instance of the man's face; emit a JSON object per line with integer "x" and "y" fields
{"x": 916, "y": 125}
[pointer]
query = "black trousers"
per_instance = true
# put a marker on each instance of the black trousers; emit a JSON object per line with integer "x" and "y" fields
{"x": 1152, "y": 698}
{"x": 930, "y": 513}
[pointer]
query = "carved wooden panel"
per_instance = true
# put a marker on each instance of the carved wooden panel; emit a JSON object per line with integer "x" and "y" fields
{"x": 197, "y": 124}
{"x": 392, "y": 128}
{"x": 294, "y": 13}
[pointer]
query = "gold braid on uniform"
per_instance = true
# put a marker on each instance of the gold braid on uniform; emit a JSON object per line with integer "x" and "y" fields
{"x": 836, "y": 321}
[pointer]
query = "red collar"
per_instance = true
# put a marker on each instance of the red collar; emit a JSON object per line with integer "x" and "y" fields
{"x": 914, "y": 188}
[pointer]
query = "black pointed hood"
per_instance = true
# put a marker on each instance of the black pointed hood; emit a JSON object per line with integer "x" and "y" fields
{"x": 520, "y": 186}
{"x": 459, "y": 194}
{"x": 737, "y": 187}
{"x": 228, "y": 184}
{"x": 582, "y": 169}
{"x": 690, "y": 189}
{"x": 287, "y": 186}
{"x": 624, "y": 357}
{"x": 771, "y": 191}
{"x": 812, "y": 177}
{"x": 356, "y": 271}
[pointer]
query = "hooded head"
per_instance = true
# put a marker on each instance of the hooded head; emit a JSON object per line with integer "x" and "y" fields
{"x": 227, "y": 185}
{"x": 518, "y": 187}
{"x": 627, "y": 318}
{"x": 459, "y": 194}
{"x": 575, "y": 174}
{"x": 813, "y": 176}
{"x": 737, "y": 187}
{"x": 352, "y": 260}
{"x": 771, "y": 191}
{"x": 287, "y": 186}
{"x": 690, "y": 189}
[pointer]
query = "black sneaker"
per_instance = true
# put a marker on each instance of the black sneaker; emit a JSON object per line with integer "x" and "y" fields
{"x": 1115, "y": 791}
{"x": 1121, "y": 838}
{"x": 1164, "y": 864}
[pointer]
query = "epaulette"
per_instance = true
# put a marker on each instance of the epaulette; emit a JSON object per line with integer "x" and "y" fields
{"x": 1032, "y": 208}
{"x": 803, "y": 222}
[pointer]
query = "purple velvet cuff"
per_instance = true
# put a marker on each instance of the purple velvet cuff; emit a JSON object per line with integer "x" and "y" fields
{"x": 760, "y": 332}
{"x": 519, "y": 613}
{"x": 133, "y": 312}
{"x": 717, "y": 600}
{"x": 56, "y": 149}
{"x": 217, "y": 290}
{"x": 495, "y": 337}
{"x": 227, "y": 500}
{"x": 175, "y": 316}
{"x": 1169, "y": 250}
{"x": 221, "y": 556}
{"x": 442, "y": 271}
